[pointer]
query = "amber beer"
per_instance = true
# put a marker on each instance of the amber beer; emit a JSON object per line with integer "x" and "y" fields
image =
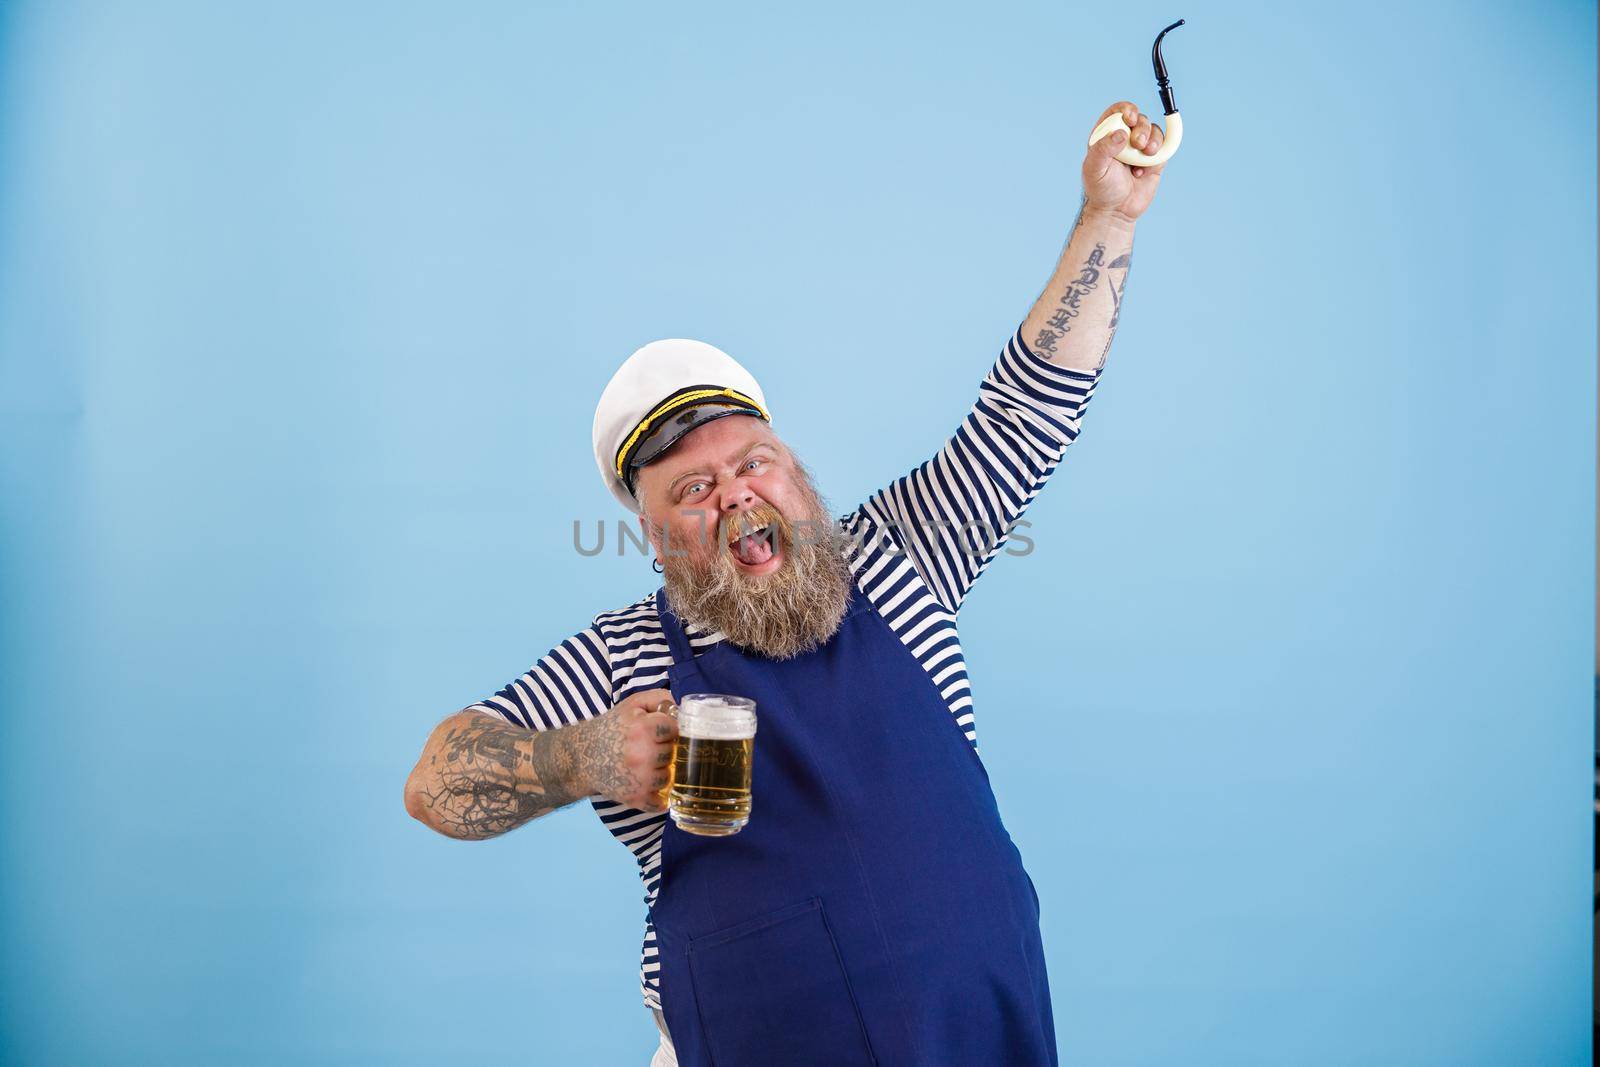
{"x": 711, "y": 768}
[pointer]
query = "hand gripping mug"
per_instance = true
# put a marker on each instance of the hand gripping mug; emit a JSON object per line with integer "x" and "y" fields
{"x": 709, "y": 793}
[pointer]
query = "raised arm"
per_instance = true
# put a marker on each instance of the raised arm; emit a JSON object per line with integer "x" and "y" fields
{"x": 952, "y": 514}
{"x": 1075, "y": 318}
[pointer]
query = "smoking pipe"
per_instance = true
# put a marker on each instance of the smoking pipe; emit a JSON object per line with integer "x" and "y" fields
{"x": 1173, "y": 135}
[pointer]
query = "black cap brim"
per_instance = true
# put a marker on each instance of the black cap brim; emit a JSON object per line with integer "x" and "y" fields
{"x": 663, "y": 437}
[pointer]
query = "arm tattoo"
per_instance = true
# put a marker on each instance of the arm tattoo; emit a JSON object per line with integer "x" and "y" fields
{"x": 1068, "y": 308}
{"x": 1075, "y": 315}
{"x": 597, "y": 757}
{"x": 485, "y": 777}
{"x": 1124, "y": 263}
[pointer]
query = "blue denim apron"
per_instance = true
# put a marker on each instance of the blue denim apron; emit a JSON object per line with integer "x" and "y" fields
{"x": 874, "y": 910}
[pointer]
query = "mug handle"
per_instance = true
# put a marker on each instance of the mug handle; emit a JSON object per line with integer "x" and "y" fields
{"x": 667, "y": 707}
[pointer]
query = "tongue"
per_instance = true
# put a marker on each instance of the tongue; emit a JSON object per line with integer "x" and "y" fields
{"x": 752, "y": 550}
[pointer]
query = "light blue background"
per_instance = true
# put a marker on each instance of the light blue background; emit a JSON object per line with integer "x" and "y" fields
{"x": 303, "y": 313}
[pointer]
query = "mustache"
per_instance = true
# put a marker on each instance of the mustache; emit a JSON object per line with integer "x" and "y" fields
{"x": 763, "y": 522}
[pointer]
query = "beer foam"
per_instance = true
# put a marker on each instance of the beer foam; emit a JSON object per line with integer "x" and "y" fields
{"x": 716, "y": 717}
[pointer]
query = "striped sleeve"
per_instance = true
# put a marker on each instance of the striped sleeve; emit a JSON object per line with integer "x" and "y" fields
{"x": 570, "y": 683}
{"x": 952, "y": 514}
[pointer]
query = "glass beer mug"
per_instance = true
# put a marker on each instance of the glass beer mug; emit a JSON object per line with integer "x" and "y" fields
{"x": 709, "y": 793}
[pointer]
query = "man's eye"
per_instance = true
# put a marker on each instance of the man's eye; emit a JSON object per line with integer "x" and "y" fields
{"x": 754, "y": 463}
{"x": 693, "y": 488}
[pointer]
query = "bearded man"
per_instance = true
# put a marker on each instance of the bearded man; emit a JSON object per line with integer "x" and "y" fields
{"x": 874, "y": 910}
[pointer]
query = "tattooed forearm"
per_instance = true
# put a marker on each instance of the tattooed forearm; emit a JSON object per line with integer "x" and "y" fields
{"x": 1119, "y": 281}
{"x": 479, "y": 777}
{"x": 1070, "y": 305}
{"x": 1073, "y": 321}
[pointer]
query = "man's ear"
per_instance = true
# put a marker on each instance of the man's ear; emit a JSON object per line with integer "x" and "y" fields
{"x": 649, "y": 530}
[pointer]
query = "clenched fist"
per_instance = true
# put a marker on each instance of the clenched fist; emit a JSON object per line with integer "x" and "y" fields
{"x": 625, "y": 755}
{"x": 1110, "y": 184}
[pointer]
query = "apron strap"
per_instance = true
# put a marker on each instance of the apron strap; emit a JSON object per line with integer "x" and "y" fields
{"x": 672, "y": 627}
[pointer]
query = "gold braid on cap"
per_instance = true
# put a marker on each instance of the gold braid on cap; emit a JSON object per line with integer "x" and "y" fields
{"x": 694, "y": 394}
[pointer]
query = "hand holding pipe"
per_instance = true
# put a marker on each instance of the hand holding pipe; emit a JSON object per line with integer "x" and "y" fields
{"x": 1173, "y": 135}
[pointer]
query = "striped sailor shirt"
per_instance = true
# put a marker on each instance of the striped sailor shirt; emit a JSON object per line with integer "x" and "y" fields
{"x": 915, "y": 549}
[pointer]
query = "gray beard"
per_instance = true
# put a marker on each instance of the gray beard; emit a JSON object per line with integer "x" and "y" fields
{"x": 787, "y": 613}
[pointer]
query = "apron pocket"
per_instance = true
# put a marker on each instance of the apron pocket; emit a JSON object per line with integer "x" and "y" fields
{"x": 772, "y": 992}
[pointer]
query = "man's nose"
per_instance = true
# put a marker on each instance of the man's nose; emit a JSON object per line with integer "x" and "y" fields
{"x": 738, "y": 497}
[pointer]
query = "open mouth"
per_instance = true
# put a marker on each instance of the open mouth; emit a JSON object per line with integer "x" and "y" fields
{"x": 756, "y": 547}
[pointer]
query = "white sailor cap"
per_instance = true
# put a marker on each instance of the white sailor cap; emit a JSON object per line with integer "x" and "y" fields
{"x": 660, "y": 393}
